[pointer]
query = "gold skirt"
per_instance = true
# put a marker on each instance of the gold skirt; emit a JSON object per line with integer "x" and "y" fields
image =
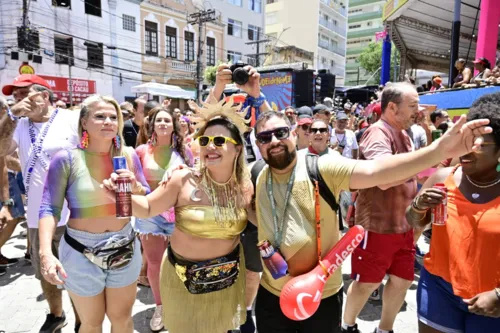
{"x": 215, "y": 312}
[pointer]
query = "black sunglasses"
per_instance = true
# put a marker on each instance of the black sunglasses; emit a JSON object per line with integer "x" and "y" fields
{"x": 305, "y": 127}
{"x": 281, "y": 133}
{"x": 322, "y": 130}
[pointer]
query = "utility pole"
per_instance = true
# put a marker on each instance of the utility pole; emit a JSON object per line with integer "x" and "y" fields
{"x": 200, "y": 17}
{"x": 258, "y": 54}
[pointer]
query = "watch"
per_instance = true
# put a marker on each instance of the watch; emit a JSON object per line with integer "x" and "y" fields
{"x": 9, "y": 202}
{"x": 256, "y": 102}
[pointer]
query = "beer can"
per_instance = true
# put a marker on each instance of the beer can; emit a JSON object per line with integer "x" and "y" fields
{"x": 439, "y": 214}
{"x": 119, "y": 162}
{"x": 273, "y": 260}
{"x": 436, "y": 134}
{"x": 123, "y": 197}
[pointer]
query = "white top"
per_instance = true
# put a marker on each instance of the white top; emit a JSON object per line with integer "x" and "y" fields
{"x": 348, "y": 140}
{"x": 63, "y": 133}
{"x": 418, "y": 135}
{"x": 253, "y": 141}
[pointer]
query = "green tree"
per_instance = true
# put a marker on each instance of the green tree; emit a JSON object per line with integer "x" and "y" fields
{"x": 371, "y": 60}
{"x": 210, "y": 73}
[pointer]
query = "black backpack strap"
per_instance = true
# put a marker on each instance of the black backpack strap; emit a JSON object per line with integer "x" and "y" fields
{"x": 255, "y": 171}
{"x": 315, "y": 175}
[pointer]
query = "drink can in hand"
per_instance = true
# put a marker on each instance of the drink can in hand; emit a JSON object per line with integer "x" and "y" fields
{"x": 439, "y": 214}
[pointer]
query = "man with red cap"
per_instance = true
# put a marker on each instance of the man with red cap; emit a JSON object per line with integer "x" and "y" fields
{"x": 38, "y": 131}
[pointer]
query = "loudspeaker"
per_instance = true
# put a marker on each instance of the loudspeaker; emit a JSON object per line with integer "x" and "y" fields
{"x": 14, "y": 55}
{"x": 304, "y": 88}
{"x": 37, "y": 59}
{"x": 327, "y": 85}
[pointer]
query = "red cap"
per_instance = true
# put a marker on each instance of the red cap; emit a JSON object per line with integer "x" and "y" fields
{"x": 304, "y": 121}
{"x": 24, "y": 80}
{"x": 364, "y": 124}
{"x": 377, "y": 108}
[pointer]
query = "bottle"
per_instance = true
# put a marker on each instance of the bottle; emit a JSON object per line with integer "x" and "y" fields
{"x": 273, "y": 260}
{"x": 123, "y": 191}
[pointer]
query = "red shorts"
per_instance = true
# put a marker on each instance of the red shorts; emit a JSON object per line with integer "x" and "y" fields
{"x": 381, "y": 254}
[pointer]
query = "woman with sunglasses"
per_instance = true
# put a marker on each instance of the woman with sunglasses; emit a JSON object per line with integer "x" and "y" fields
{"x": 319, "y": 136}
{"x": 100, "y": 257}
{"x": 459, "y": 285}
{"x": 164, "y": 151}
{"x": 202, "y": 277}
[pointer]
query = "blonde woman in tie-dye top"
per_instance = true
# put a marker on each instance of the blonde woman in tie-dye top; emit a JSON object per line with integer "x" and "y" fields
{"x": 99, "y": 256}
{"x": 164, "y": 151}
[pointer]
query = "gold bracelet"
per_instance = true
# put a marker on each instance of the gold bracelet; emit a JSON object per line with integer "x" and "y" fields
{"x": 416, "y": 209}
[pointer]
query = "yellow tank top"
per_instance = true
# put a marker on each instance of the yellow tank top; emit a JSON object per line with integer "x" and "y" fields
{"x": 200, "y": 221}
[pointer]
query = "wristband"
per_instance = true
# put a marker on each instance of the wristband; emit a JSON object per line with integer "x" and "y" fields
{"x": 416, "y": 209}
{"x": 7, "y": 203}
{"x": 256, "y": 102}
{"x": 11, "y": 115}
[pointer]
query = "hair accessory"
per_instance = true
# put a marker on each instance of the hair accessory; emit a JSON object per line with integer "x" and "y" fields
{"x": 221, "y": 109}
{"x": 117, "y": 142}
{"x": 84, "y": 142}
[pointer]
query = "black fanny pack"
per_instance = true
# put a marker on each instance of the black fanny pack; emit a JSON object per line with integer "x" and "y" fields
{"x": 207, "y": 276}
{"x": 114, "y": 256}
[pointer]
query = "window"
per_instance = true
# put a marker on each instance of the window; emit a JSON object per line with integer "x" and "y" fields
{"x": 233, "y": 28}
{"x": 271, "y": 1}
{"x": 171, "y": 42}
{"x": 326, "y": 17}
{"x": 151, "y": 38}
{"x": 332, "y": 63}
{"x": 93, "y": 7}
{"x": 255, "y": 5}
{"x": 61, "y": 3}
{"x": 272, "y": 18}
{"x": 323, "y": 60}
{"x": 354, "y": 26}
{"x": 253, "y": 32}
{"x": 210, "y": 51}
{"x": 64, "y": 50}
{"x": 368, "y": 24}
{"x": 235, "y": 2}
{"x": 233, "y": 56}
{"x": 252, "y": 61}
{"x": 188, "y": 46}
{"x": 95, "y": 57}
{"x": 128, "y": 22}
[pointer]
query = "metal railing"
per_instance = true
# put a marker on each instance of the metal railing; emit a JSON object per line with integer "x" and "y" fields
{"x": 336, "y": 70}
{"x": 330, "y": 26}
{"x": 181, "y": 66}
{"x": 336, "y": 6}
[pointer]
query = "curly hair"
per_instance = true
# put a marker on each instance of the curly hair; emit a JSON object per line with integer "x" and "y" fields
{"x": 177, "y": 138}
{"x": 488, "y": 107}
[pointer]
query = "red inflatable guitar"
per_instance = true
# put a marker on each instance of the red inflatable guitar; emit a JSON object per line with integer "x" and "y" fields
{"x": 301, "y": 296}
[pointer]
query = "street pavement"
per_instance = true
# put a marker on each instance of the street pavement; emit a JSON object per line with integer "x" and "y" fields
{"x": 22, "y": 308}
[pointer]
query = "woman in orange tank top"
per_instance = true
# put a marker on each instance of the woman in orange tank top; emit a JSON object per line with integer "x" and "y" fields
{"x": 459, "y": 285}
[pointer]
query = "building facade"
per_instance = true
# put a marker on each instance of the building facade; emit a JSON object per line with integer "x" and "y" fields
{"x": 244, "y": 23}
{"x": 67, "y": 42}
{"x": 365, "y": 20}
{"x": 318, "y": 26}
{"x": 170, "y": 43}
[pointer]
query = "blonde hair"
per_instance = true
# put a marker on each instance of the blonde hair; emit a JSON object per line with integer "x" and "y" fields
{"x": 87, "y": 105}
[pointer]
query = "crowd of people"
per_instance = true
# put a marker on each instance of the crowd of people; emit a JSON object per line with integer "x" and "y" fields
{"x": 208, "y": 189}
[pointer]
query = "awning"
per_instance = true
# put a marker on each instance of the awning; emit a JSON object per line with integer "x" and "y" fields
{"x": 159, "y": 89}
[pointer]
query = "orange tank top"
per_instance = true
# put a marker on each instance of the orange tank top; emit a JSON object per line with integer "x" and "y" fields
{"x": 466, "y": 251}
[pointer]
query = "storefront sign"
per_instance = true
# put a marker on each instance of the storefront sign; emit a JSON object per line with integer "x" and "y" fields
{"x": 61, "y": 87}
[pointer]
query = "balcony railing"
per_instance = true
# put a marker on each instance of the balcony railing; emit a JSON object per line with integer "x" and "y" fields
{"x": 181, "y": 66}
{"x": 330, "y": 26}
{"x": 331, "y": 48}
{"x": 336, "y": 70}
{"x": 365, "y": 16}
{"x": 336, "y": 6}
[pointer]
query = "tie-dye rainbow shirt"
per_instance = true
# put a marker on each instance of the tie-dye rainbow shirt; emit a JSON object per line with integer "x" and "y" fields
{"x": 154, "y": 173}
{"x": 69, "y": 178}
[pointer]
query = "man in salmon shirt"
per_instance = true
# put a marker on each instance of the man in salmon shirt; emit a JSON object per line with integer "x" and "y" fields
{"x": 388, "y": 246}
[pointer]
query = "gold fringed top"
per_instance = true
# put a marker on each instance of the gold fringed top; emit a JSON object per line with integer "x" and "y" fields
{"x": 200, "y": 221}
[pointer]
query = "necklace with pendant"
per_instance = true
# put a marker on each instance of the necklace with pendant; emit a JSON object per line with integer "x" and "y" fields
{"x": 476, "y": 195}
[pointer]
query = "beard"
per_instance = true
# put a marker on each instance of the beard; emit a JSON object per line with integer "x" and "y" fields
{"x": 281, "y": 161}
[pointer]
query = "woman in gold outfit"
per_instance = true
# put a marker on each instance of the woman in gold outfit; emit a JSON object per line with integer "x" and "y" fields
{"x": 203, "y": 270}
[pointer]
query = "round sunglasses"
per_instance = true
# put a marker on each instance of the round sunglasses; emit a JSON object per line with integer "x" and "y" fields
{"x": 218, "y": 141}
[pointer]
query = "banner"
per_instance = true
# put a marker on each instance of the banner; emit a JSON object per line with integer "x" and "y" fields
{"x": 278, "y": 88}
{"x": 60, "y": 86}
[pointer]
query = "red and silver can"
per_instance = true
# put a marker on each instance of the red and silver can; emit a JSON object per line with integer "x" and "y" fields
{"x": 123, "y": 190}
{"x": 439, "y": 214}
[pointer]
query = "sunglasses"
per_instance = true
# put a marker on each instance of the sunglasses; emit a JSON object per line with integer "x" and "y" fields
{"x": 305, "y": 127}
{"x": 316, "y": 130}
{"x": 218, "y": 141}
{"x": 281, "y": 133}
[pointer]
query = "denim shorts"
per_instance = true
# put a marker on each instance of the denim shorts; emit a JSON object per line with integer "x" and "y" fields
{"x": 440, "y": 309}
{"x": 156, "y": 226}
{"x": 86, "y": 279}
{"x": 17, "y": 210}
